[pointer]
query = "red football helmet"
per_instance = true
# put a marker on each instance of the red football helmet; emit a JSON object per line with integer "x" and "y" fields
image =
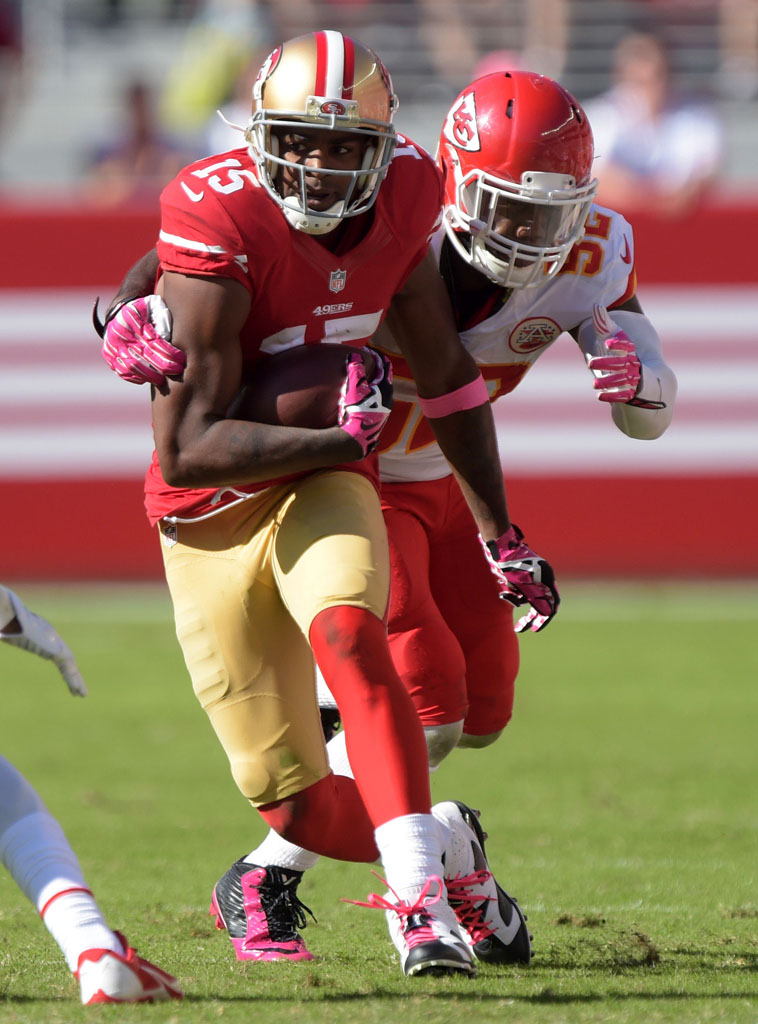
{"x": 516, "y": 151}
{"x": 323, "y": 80}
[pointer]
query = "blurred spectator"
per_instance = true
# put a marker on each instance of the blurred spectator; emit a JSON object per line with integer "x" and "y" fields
{"x": 219, "y": 135}
{"x": 498, "y": 60}
{"x": 221, "y": 41}
{"x": 10, "y": 54}
{"x": 738, "y": 37}
{"x": 456, "y": 37}
{"x": 111, "y": 13}
{"x": 447, "y": 40}
{"x": 656, "y": 151}
{"x": 141, "y": 161}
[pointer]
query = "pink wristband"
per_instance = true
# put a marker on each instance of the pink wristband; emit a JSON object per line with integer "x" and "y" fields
{"x": 470, "y": 395}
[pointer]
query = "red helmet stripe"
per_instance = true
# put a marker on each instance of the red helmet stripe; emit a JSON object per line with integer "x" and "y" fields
{"x": 348, "y": 74}
{"x": 322, "y": 58}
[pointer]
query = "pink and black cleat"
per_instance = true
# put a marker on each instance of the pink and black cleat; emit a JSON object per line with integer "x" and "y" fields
{"x": 260, "y": 909}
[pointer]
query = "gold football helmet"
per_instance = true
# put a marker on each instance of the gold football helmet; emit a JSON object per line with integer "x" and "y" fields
{"x": 324, "y": 80}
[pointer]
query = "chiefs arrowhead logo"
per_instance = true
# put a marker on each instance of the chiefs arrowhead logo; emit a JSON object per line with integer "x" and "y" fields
{"x": 460, "y": 125}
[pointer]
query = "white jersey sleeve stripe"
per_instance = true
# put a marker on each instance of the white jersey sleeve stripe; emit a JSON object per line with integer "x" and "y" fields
{"x": 196, "y": 246}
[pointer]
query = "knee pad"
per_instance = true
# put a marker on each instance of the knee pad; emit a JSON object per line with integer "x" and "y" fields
{"x": 440, "y": 740}
{"x": 469, "y": 742}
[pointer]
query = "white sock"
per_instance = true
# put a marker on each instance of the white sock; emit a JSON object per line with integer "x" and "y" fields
{"x": 410, "y": 850}
{"x": 76, "y": 923}
{"x": 40, "y": 859}
{"x": 275, "y": 851}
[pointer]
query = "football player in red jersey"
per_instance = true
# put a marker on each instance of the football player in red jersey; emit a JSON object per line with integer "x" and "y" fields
{"x": 35, "y": 850}
{"x": 273, "y": 540}
{"x": 525, "y": 254}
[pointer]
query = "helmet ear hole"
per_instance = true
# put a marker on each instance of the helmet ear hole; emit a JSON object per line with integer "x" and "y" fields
{"x": 366, "y": 163}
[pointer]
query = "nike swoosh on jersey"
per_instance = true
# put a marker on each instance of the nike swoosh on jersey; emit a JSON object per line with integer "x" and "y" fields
{"x": 626, "y": 255}
{"x": 194, "y": 196}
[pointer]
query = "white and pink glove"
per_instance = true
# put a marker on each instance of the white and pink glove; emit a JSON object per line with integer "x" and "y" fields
{"x": 617, "y": 374}
{"x": 524, "y": 578}
{"x": 365, "y": 405}
{"x": 136, "y": 341}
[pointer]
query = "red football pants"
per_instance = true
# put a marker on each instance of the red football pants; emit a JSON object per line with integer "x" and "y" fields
{"x": 451, "y": 637}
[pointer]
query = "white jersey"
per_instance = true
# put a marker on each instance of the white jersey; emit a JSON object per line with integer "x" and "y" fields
{"x": 600, "y": 268}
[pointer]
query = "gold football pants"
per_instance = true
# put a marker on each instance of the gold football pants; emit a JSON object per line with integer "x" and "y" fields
{"x": 246, "y": 585}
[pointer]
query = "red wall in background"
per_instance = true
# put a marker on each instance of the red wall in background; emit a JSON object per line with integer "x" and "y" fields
{"x": 632, "y": 525}
{"x": 610, "y": 526}
{"x": 68, "y": 247}
{"x": 64, "y": 246}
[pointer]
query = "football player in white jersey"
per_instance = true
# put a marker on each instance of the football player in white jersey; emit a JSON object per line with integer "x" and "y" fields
{"x": 34, "y": 849}
{"x": 526, "y": 255}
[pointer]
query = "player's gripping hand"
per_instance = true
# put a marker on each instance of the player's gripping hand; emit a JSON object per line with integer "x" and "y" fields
{"x": 364, "y": 404}
{"x": 524, "y": 578}
{"x": 137, "y": 342}
{"x": 38, "y": 636}
{"x": 617, "y": 375}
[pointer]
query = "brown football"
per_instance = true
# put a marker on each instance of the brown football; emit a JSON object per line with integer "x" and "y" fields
{"x": 299, "y": 387}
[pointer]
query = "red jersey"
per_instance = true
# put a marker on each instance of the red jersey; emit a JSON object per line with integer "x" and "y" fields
{"x": 217, "y": 220}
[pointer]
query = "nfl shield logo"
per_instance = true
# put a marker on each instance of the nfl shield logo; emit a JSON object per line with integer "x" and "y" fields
{"x": 170, "y": 534}
{"x": 337, "y": 280}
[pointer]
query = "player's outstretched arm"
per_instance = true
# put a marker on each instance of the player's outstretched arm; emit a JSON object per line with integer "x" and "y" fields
{"x": 22, "y": 628}
{"x": 623, "y": 351}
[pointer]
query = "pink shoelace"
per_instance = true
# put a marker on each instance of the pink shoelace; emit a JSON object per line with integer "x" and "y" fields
{"x": 468, "y": 905}
{"x": 422, "y": 932}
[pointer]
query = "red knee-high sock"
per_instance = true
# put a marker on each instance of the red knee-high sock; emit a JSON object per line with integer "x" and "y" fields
{"x": 385, "y": 739}
{"x": 328, "y": 817}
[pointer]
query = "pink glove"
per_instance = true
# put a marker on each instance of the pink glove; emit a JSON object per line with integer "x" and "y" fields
{"x": 523, "y": 577}
{"x": 365, "y": 404}
{"x": 136, "y": 342}
{"x": 618, "y": 374}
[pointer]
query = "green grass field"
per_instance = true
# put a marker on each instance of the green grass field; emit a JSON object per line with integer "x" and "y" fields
{"x": 621, "y": 806}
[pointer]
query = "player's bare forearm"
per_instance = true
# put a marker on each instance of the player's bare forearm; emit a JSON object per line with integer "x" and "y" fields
{"x": 197, "y": 445}
{"x": 469, "y": 443}
{"x": 233, "y": 452}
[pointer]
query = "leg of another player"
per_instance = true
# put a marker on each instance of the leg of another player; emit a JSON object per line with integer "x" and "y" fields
{"x": 34, "y": 849}
{"x": 424, "y": 648}
{"x": 482, "y": 625}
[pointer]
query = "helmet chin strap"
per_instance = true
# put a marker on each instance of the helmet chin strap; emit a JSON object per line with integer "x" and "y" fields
{"x": 310, "y": 223}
